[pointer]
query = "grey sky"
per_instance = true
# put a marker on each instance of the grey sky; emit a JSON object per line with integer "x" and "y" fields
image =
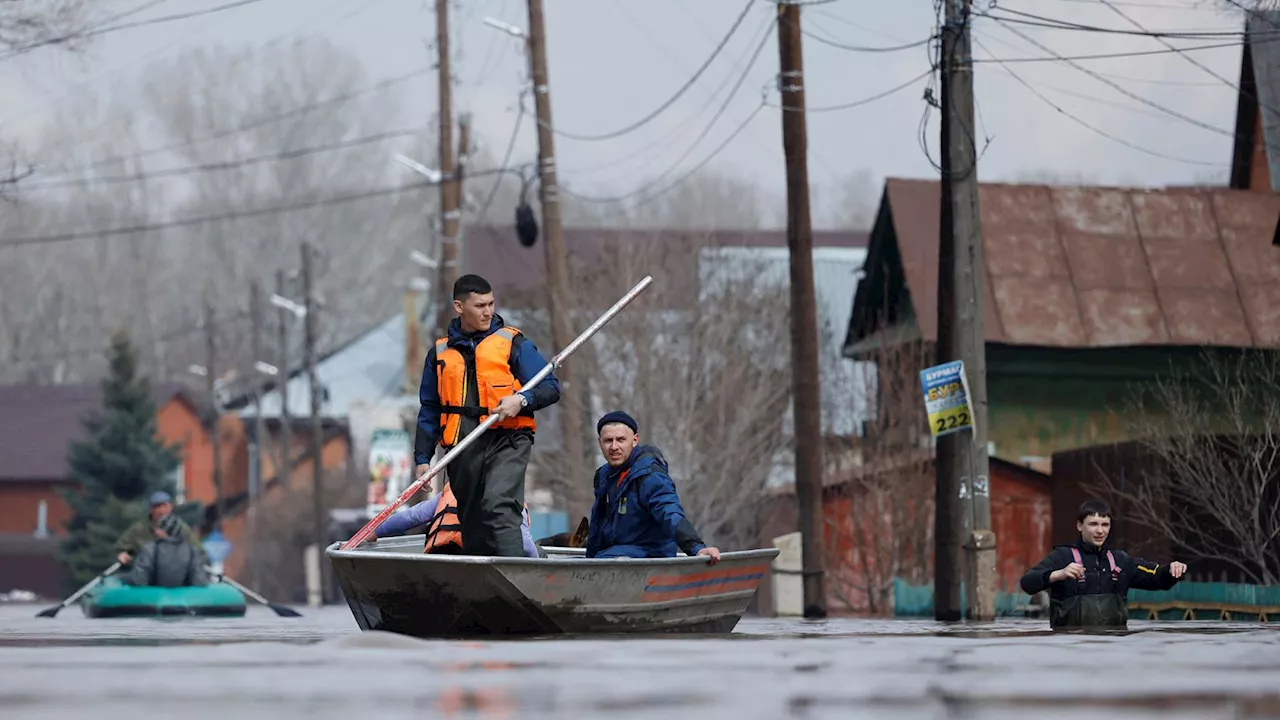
{"x": 613, "y": 61}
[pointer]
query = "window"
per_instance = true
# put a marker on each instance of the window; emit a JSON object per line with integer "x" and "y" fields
{"x": 179, "y": 480}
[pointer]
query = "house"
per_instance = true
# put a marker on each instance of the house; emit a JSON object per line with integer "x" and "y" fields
{"x": 878, "y": 530}
{"x": 1089, "y": 291}
{"x": 37, "y": 423}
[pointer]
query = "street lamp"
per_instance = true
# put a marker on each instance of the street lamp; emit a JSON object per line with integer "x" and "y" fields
{"x": 506, "y": 27}
{"x": 423, "y": 259}
{"x": 433, "y": 176}
{"x": 299, "y": 311}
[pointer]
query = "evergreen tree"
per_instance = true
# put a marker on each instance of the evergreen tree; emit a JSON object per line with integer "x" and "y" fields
{"x": 115, "y": 469}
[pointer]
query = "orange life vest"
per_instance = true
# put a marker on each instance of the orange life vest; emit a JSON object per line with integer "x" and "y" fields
{"x": 493, "y": 378}
{"x": 444, "y": 530}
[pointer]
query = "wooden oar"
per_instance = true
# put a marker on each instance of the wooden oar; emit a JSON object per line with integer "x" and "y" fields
{"x": 280, "y": 610}
{"x": 53, "y": 611}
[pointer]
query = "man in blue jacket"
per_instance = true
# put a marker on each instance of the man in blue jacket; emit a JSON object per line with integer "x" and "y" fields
{"x": 637, "y": 513}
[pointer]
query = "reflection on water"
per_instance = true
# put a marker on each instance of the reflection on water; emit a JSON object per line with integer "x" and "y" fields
{"x": 321, "y": 666}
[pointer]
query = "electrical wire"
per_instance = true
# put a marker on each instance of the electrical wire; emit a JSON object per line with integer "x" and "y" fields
{"x": 1112, "y": 56}
{"x": 1123, "y": 90}
{"x": 668, "y": 139}
{"x": 1089, "y": 126}
{"x": 94, "y": 32}
{"x": 644, "y": 189}
{"x": 856, "y": 103}
{"x": 1113, "y": 76}
{"x": 1055, "y": 24}
{"x": 74, "y": 87}
{"x": 506, "y": 162}
{"x": 203, "y": 219}
{"x": 225, "y": 165}
{"x": 670, "y": 101}
{"x": 860, "y": 48}
{"x": 262, "y": 122}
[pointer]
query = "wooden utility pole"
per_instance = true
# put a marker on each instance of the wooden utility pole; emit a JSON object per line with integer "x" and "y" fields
{"x": 211, "y": 378}
{"x": 557, "y": 259}
{"x": 962, "y": 466}
{"x": 285, "y": 462}
{"x": 450, "y": 186}
{"x": 805, "y": 385}
{"x": 255, "y": 486}
{"x": 317, "y": 466}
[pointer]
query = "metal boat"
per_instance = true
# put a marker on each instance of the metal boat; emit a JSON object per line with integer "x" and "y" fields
{"x": 393, "y": 586}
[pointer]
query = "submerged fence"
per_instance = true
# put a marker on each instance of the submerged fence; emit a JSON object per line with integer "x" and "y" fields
{"x": 1235, "y": 602}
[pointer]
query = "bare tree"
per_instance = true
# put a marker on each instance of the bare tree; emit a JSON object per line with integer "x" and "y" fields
{"x": 884, "y": 488}
{"x": 701, "y": 361}
{"x": 28, "y": 24}
{"x": 1211, "y": 485}
{"x": 857, "y": 198}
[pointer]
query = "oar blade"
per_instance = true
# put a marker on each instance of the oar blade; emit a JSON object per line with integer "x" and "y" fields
{"x": 49, "y": 612}
{"x": 283, "y": 611}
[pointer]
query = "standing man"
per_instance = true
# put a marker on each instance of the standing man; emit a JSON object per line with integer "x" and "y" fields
{"x": 474, "y": 371}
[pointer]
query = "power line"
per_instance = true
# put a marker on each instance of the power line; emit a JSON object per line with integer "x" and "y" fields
{"x": 1054, "y": 23}
{"x": 1086, "y": 124}
{"x": 861, "y": 48}
{"x": 225, "y": 165}
{"x": 506, "y": 161}
{"x": 683, "y": 89}
{"x": 221, "y": 80}
{"x": 1124, "y": 91}
{"x": 1117, "y": 76}
{"x": 1109, "y": 56}
{"x": 668, "y": 139}
{"x": 200, "y": 220}
{"x": 643, "y": 189}
{"x": 262, "y": 122}
{"x": 858, "y": 103}
{"x": 94, "y": 32}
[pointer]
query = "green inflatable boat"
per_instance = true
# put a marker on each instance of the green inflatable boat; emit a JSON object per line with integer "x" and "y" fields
{"x": 111, "y": 598}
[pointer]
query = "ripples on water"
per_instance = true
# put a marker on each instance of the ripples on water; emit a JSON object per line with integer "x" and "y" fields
{"x": 321, "y": 666}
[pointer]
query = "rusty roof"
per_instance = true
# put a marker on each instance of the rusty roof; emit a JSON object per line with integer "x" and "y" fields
{"x": 517, "y": 273}
{"x": 38, "y": 422}
{"x": 1084, "y": 267}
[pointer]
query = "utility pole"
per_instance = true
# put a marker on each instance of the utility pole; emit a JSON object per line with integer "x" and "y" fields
{"x": 285, "y": 462}
{"x": 210, "y": 364}
{"x": 317, "y": 467}
{"x": 806, "y": 399}
{"x": 962, "y": 465}
{"x": 557, "y": 260}
{"x": 450, "y": 187}
{"x": 255, "y": 484}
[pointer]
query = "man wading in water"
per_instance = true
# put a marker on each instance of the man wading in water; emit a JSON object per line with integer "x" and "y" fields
{"x": 1088, "y": 582}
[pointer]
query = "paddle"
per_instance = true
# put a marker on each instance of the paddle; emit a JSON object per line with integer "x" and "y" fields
{"x": 53, "y": 611}
{"x": 363, "y": 533}
{"x": 280, "y": 610}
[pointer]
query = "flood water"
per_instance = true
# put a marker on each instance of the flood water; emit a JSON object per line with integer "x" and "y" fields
{"x": 322, "y": 666}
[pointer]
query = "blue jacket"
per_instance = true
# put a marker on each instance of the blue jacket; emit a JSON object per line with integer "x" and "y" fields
{"x": 526, "y": 361}
{"x": 641, "y": 516}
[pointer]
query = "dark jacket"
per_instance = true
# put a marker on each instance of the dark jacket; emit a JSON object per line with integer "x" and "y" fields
{"x": 143, "y": 531}
{"x": 639, "y": 515}
{"x": 525, "y": 362}
{"x": 169, "y": 562}
{"x": 1110, "y": 593}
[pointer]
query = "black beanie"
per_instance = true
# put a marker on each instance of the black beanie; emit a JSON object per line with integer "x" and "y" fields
{"x": 617, "y": 416}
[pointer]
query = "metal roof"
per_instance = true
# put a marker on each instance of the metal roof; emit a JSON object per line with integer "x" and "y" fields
{"x": 1090, "y": 266}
